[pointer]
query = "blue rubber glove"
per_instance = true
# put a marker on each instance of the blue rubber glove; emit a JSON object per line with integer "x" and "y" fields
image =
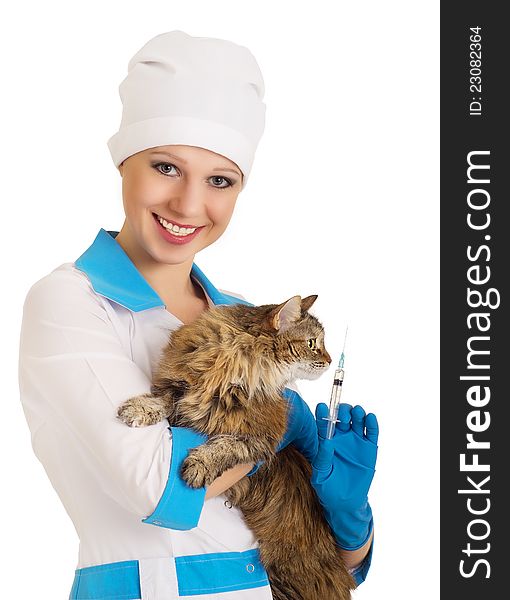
{"x": 342, "y": 472}
{"x": 301, "y": 428}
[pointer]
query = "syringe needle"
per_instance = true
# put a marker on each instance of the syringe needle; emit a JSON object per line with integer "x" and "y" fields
{"x": 342, "y": 356}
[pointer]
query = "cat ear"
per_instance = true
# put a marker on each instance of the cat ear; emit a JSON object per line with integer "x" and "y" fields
{"x": 307, "y": 302}
{"x": 282, "y": 317}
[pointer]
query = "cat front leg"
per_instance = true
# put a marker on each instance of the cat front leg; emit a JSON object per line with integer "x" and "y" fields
{"x": 207, "y": 462}
{"x": 145, "y": 409}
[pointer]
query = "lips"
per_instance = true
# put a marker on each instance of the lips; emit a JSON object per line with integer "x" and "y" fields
{"x": 175, "y": 239}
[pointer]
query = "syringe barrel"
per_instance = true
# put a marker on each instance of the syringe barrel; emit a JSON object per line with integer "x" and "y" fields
{"x": 336, "y": 389}
{"x": 336, "y": 393}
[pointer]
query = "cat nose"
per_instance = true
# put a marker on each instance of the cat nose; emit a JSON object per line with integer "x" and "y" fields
{"x": 327, "y": 357}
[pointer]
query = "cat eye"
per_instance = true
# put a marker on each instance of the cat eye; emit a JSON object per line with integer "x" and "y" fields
{"x": 312, "y": 344}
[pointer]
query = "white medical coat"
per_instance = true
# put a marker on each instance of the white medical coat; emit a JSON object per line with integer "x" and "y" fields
{"x": 91, "y": 335}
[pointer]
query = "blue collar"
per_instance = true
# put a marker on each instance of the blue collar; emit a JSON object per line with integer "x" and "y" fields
{"x": 113, "y": 275}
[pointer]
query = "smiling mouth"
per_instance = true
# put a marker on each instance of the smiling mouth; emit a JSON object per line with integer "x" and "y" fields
{"x": 174, "y": 229}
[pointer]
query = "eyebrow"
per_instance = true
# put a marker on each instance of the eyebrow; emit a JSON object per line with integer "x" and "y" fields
{"x": 186, "y": 162}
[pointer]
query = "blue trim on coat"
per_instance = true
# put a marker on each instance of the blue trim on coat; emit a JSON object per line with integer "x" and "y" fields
{"x": 197, "y": 574}
{"x": 114, "y": 276}
{"x": 180, "y": 506}
{"x": 112, "y": 581}
{"x": 220, "y": 572}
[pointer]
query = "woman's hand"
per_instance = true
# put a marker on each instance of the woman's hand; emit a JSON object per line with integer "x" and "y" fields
{"x": 342, "y": 472}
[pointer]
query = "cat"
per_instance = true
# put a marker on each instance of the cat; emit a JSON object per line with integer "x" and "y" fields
{"x": 223, "y": 375}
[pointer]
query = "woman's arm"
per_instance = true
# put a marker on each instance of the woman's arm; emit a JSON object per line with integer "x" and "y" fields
{"x": 353, "y": 558}
{"x": 227, "y": 479}
{"x": 74, "y": 372}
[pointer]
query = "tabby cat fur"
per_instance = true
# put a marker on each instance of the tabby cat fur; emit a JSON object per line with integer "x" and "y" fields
{"x": 223, "y": 375}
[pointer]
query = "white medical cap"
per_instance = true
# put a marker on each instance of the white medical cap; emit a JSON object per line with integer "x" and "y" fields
{"x": 195, "y": 91}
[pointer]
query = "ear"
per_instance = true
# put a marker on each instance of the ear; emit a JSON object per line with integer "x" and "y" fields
{"x": 307, "y": 302}
{"x": 282, "y": 316}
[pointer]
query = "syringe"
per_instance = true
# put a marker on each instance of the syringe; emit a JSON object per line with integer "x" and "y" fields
{"x": 336, "y": 393}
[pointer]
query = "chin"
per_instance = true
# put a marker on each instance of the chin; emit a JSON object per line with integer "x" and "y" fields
{"x": 309, "y": 374}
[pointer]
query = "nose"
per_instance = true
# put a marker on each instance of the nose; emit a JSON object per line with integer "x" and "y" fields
{"x": 187, "y": 200}
{"x": 327, "y": 357}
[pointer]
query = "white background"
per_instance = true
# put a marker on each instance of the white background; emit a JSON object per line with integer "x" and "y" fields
{"x": 342, "y": 201}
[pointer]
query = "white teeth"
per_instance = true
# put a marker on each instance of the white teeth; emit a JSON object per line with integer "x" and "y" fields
{"x": 175, "y": 229}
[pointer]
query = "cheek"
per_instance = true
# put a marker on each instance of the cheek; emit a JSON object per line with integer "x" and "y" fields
{"x": 221, "y": 212}
{"x": 140, "y": 192}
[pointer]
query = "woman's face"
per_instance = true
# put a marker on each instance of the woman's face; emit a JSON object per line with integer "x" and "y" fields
{"x": 190, "y": 187}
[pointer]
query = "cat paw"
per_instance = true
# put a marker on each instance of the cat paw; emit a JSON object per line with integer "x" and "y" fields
{"x": 195, "y": 472}
{"x": 138, "y": 412}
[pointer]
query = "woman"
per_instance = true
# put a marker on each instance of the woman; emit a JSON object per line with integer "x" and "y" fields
{"x": 93, "y": 329}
